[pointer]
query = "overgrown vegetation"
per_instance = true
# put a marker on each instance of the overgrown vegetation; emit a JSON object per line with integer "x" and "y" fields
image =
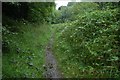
{"x": 31, "y": 11}
{"x": 25, "y": 38}
{"x": 23, "y": 53}
{"x": 87, "y": 39}
{"x": 89, "y": 45}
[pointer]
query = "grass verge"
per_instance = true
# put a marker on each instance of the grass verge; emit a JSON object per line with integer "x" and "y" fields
{"x": 23, "y": 55}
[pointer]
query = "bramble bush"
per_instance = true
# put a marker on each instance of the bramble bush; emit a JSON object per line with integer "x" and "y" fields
{"x": 93, "y": 40}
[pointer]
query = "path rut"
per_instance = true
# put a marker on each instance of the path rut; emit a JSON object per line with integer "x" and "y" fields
{"x": 51, "y": 70}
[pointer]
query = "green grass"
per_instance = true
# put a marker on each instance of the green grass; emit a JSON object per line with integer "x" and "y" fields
{"x": 25, "y": 56}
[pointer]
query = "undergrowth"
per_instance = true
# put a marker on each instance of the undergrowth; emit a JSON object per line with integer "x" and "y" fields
{"x": 23, "y": 51}
{"x": 88, "y": 47}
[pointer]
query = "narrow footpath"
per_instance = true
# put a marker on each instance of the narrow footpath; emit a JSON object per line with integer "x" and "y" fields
{"x": 51, "y": 70}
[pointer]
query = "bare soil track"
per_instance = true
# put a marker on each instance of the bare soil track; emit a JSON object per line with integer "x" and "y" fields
{"x": 51, "y": 70}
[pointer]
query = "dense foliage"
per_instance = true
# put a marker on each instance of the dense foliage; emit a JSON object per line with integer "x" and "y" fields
{"x": 16, "y": 13}
{"x": 91, "y": 40}
{"x": 87, "y": 38}
{"x": 30, "y": 11}
{"x": 24, "y": 27}
{"x": 71, "y": 12}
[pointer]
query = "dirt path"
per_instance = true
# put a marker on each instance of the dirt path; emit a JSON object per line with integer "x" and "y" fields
{"x": 51, "y": 70}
